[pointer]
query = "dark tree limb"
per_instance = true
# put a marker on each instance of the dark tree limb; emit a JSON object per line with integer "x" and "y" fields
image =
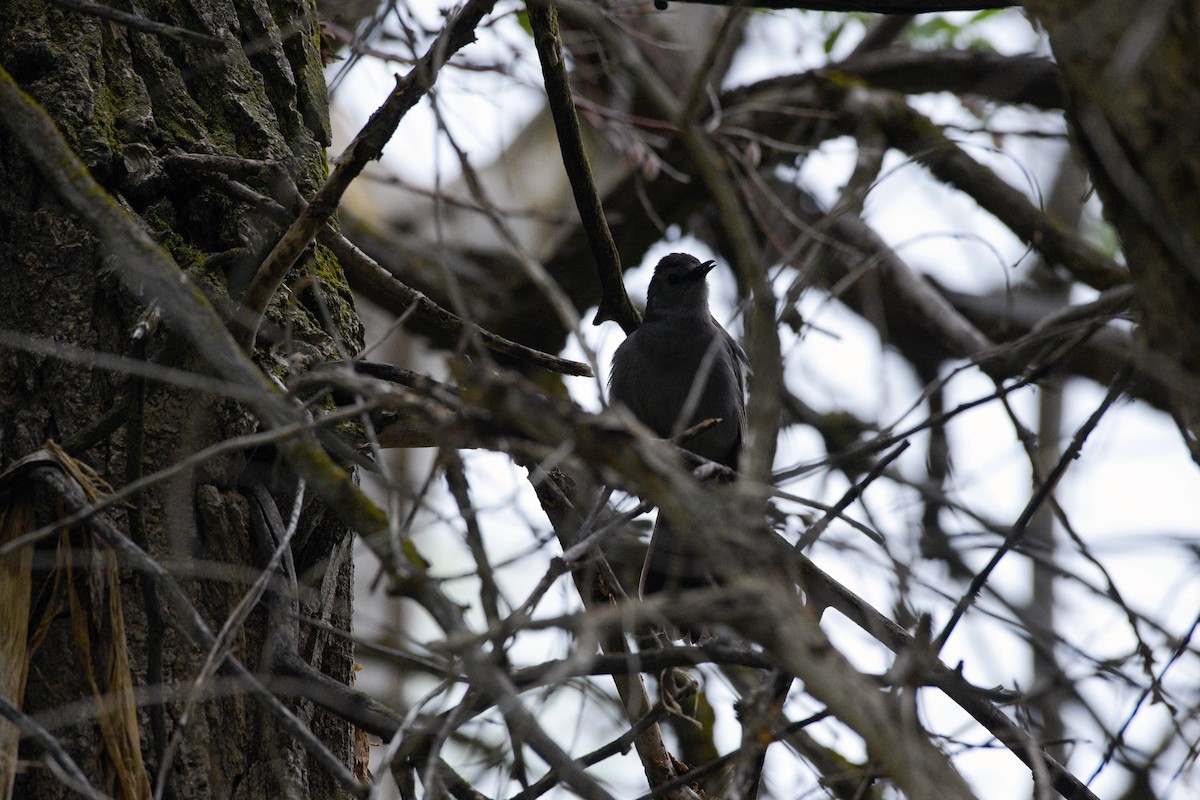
{"x": 918, "y": 136}
{"x": 1130, "y": 96}
{"x": 614, "y": 301}
{"x": 1032, "y": 80}
{"x": 868, "y": 6}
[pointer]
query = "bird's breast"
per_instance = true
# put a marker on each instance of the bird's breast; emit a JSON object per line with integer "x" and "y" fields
{"x": 654, "y": 371}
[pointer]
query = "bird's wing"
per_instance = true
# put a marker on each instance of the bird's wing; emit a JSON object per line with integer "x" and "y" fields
{"x": 741, "y": 367}
{"x": 739, "y": 358}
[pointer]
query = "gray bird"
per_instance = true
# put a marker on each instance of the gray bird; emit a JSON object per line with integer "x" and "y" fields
{"x": 677, "y": 369}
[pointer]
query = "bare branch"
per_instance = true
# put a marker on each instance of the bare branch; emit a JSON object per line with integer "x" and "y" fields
{"x": 366, "y": 147}
{"x": 614, "y": 302}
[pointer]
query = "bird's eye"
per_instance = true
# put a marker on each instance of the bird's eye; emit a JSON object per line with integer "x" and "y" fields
{"x": 672, "y": 279}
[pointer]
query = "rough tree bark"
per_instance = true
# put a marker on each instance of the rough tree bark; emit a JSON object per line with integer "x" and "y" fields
{"x": 127, "y": 101}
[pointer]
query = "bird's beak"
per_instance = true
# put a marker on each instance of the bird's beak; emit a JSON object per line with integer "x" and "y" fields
{"x": 699, "y": 273}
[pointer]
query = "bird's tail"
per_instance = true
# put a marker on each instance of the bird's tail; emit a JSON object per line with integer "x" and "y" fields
{"x": 673, "y": 562}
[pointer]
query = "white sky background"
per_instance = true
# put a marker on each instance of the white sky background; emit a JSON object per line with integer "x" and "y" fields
{"x": 1133, "y": 495}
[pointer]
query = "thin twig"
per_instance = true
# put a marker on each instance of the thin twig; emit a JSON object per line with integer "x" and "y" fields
{"x": 1035, "y": 502}
{"x": 815, "y": 530}
{"x": 222, "y": 644}
{"x": 364, "y": 274}
{"x": 133, "y": 488}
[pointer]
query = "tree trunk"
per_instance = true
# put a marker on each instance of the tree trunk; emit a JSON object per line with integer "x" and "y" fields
{"x": 1134, "y": 94}
{"x": 128, "y": 101}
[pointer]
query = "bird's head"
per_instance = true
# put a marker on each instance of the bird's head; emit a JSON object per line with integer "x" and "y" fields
{"x": 678, "y": 285}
